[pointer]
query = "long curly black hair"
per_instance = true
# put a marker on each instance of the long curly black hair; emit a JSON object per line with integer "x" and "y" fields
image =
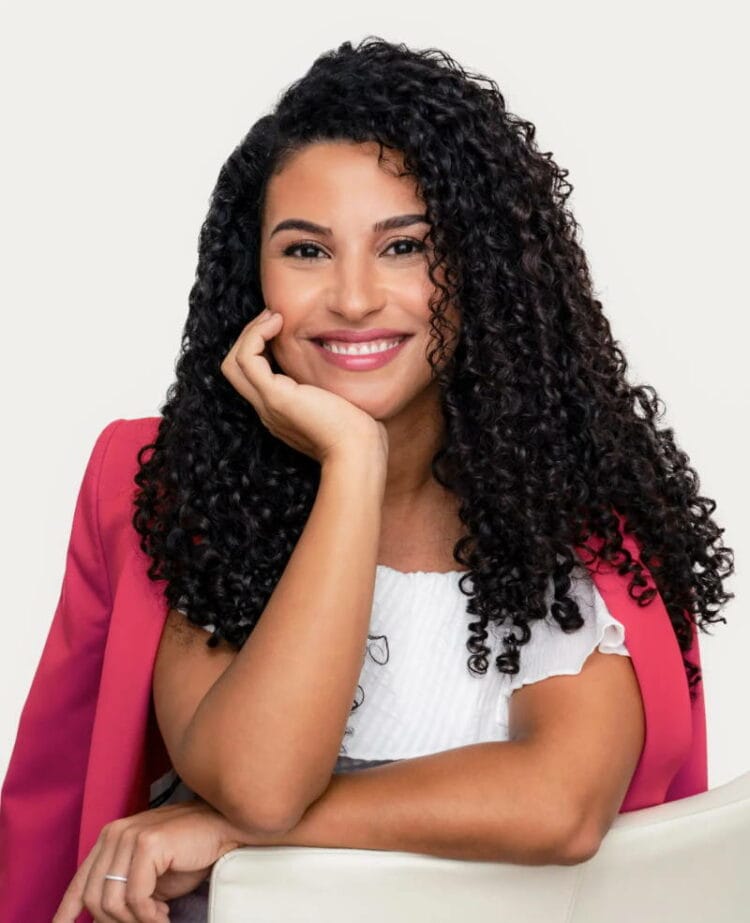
{"x": 546, "y": 443}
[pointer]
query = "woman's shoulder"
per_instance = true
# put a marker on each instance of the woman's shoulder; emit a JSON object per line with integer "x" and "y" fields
{"x": 117, "y": 446}
{"x": 107, "y": 486}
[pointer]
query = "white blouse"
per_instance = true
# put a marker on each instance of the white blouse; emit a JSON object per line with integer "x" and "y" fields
{"x": 419, "y": 695}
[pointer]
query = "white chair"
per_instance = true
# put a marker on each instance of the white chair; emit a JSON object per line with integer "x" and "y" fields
{"x": 686, "y": 861}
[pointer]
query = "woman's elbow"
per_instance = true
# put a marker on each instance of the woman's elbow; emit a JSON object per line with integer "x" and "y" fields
{"x": 274, "y": 812}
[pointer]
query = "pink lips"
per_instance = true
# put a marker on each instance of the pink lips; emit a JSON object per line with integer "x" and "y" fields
{"x": 361, "y": 363}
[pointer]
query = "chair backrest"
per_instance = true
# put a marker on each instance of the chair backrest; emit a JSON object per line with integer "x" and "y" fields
{"x": 683, "y": 861}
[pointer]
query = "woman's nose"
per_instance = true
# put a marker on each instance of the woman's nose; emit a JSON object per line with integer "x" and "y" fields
{"x": 357, "y": 286}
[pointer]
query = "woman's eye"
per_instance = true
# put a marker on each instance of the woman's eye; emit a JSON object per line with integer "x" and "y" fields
{"x": 290, "y": 251}
{"x": 414, "y": 246}
{"x": 410, "y": 242}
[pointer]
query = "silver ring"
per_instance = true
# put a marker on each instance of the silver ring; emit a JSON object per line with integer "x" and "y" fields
{"x": 116, "y": 877}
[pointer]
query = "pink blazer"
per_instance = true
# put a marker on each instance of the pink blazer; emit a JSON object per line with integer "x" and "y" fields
{"x": 88, "y": 746}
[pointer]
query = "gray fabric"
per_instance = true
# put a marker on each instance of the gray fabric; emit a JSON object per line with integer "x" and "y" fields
{"x": 352, "y": 763}
{"x": 192, "y": 907}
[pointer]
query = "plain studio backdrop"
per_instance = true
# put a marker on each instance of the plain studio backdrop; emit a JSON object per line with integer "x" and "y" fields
{"x": 117, "y": 119}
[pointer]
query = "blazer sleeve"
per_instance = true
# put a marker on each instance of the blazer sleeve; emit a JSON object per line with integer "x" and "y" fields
{"x": 40, "y": 800}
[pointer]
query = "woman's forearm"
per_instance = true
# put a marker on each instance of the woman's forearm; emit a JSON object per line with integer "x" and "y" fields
{"x": 272, "y": 724}
{"x": 483, "y": 802}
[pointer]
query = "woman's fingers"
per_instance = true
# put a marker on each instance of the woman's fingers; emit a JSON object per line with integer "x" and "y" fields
{"x": 86, "y": 889}
{"x": 245, "y": 366}
{"x": 162, "y": 853}
{"x": 111, "y": 900}
{"x": 72, "y": 902}
{"x": 136, "y": 851}
{"x": 105, "y": 898}
{"x": 312, "y": 420}
{"x": 250, "y": 354}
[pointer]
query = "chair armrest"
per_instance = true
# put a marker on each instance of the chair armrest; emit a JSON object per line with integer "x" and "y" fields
{"x": 631, "y": 876}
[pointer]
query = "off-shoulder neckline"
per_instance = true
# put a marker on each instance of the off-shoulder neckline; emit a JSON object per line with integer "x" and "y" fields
{"x": 424, "y": 573}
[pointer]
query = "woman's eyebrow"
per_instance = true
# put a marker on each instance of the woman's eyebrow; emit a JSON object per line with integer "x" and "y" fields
{"x": 387, "y": 224}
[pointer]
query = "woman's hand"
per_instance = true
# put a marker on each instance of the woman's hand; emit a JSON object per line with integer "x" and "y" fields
{"x": 164, "y": 853}
{"x": 311, "y": 420}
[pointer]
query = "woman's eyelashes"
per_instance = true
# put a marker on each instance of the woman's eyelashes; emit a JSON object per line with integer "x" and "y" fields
{"x": 417, "y": 245}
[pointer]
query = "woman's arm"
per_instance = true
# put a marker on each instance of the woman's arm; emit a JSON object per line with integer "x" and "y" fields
{"x": 549, "y": 795}
{"x": 483, "y": 802}
{"x": 263, "y": 740}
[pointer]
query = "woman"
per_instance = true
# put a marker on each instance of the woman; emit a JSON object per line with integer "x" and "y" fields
{"x": 392, "y": 199}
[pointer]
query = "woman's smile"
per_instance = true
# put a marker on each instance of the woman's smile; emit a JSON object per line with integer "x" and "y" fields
{"x": 360, "y": 357}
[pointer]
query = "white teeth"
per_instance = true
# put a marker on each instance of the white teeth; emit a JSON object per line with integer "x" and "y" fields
{"x": 356, "y": 349}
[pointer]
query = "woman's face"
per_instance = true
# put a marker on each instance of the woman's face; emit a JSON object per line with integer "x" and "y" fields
{"x": 340, "y": 272}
